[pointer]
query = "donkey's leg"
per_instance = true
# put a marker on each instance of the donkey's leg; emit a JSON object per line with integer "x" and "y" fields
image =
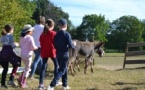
{"x": 78, "y": 67}
{"x": 70, "y": 67}
{"x": 92, "y": 63}
{"x": 74, "y": 66}
{"x": 77, "y": 63}
{"x": 86, "y": 65}
{"x": 72, "y": 71}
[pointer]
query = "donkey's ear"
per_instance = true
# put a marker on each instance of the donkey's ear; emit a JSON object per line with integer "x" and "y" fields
{"x": 103, "y": 43}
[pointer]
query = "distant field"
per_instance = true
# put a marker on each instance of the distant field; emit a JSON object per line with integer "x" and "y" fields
{"x": 108, "y": 75}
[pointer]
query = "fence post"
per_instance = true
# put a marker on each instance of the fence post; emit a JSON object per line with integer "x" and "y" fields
{"x": 126, "y": 50}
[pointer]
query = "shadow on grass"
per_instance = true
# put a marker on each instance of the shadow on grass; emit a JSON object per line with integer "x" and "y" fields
{"x": 124, "y": 83}
{"x": 130, "y": 68}
{"x": 128, "y": 88}
{"x": 92, "y": 89}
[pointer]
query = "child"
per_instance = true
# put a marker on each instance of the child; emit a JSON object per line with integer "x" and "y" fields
{"x": 27, "y": 46}
{"x": 7, "y": 55}
{"x": 38, "y": 29}
{"x": 62, "y": 42}
{"x": 47, "y": 50}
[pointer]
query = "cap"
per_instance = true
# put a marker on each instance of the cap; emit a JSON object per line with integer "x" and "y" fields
{"x": 28, "y": 27}
{"x": 62, "y": 21}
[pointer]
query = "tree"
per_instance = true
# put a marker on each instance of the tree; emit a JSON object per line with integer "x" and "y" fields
{"x": 127, "y": 29}
{"x": 12, "y": 12}
{"x": 49, "y": 10}
{"x": 93, "y": 27}
{"x": 143, "y": 25}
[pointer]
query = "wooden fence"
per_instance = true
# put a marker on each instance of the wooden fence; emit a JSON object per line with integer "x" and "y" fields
{"x": 134, "y": 53}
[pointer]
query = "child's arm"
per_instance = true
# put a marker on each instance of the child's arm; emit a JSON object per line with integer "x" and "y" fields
{"x": 70, "y": 43}
{"x": 32, "y": 43}
{"x": 12, "y": 41}
{"x": 16, "y": 44}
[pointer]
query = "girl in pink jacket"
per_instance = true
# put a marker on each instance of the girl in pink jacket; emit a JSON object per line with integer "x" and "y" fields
{"x": 27, "y": 46}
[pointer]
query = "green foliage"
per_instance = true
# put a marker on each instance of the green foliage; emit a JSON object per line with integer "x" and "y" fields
{"x": 93, "y": 27}
{"x": 143, "y": 26}
{"x": 49, "y": 10}
{"x": 127, "y": 29}
{"x": 16, "y": 13}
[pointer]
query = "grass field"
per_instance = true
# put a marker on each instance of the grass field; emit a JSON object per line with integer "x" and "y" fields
{"x": 108, "y": 75}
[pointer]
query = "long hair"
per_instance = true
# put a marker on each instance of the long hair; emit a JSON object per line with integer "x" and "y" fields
{"x": 7, "y": 29}
{"x": 48, "y": 24}
{"x": 41, "y": 20}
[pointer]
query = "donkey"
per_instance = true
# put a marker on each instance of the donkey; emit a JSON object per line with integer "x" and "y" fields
{"x": 85, "y": 50}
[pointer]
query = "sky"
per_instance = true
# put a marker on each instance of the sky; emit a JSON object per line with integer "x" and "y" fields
{"x": 111, "y": 9}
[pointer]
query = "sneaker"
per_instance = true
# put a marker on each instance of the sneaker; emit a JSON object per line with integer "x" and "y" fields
{"x": 12, "y": 83}
{"x": 41, "y": 87}
{"x": 4, "y": 86}
{"x": 59, "y": 83}
{"x": 24, "y": 86}
{"x": 50, "y": 88}
{"x": 66, "y": 88}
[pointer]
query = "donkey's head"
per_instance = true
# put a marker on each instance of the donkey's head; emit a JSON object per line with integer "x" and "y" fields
{"x": 98, "y": 47}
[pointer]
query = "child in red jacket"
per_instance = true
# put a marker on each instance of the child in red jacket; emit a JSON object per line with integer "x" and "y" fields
{"x": 47, "y": 49}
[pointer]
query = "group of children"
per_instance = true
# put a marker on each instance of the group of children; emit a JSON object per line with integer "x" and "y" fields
{"x": 45, "y": 43}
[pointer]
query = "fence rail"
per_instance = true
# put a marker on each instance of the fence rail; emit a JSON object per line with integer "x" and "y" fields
{"x": 133, "y": 53}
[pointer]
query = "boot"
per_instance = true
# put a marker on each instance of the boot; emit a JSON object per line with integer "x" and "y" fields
{"x": 24, "y": 85}
{"x": 20, "y": 78}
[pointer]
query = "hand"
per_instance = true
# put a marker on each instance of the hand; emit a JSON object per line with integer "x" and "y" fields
{"x": 17, "y": 44}
{"x": 74, "y": 43}
{"x": 36, "y": 48}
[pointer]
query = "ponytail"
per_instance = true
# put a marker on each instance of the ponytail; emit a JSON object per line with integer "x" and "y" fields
{"x": 45, "y": 30}
{"x": 48, "y": 24}
{"x": 3, "y": 32}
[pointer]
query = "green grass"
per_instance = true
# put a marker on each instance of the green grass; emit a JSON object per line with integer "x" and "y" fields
{"x": 108, "y": 75}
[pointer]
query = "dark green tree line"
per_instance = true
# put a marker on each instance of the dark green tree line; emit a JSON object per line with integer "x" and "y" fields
{"x": 93, "y": 27}
{"x": 49, "y": 10}
{"x": 126, "y": 29}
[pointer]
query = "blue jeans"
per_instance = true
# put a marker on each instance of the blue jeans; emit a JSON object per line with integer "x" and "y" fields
{"x": 37, "y": 60}
{"x": 62, "y": 71}
{"x": 43, "y": 69}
